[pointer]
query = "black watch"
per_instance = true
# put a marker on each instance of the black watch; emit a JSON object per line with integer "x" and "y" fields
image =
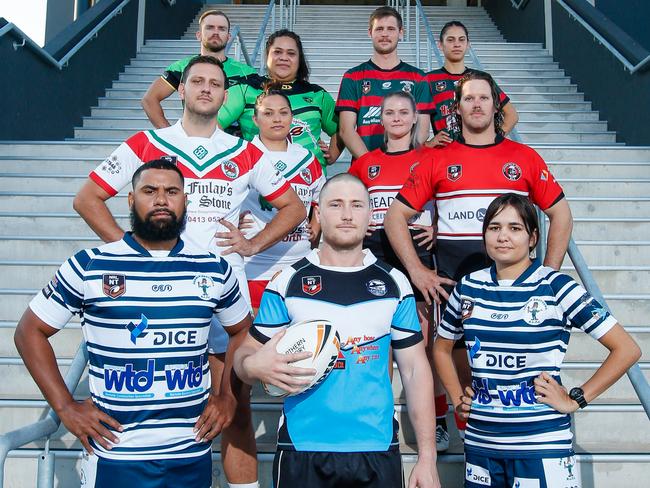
{"x": 579, "y": 396}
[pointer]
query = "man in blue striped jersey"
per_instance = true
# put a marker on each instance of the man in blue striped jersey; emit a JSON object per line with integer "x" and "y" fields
{"x": 146, "y": 303}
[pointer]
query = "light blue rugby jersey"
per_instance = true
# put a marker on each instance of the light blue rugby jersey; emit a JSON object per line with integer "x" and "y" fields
{"x": 514, "y": 332}
{"x": 145, "y": 320}
{"x": 373, "y": 308}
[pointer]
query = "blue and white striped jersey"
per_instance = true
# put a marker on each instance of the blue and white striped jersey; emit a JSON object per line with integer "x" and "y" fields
{"x": 145, "y": 318}
{"x": 373, "y": 308}
{"x": 514, "y": 332}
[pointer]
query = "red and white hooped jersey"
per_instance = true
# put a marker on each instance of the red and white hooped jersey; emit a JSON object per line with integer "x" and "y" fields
{"x": 384, "y": 174}
{"x": 463, "y": 180}
{"x": 218, "y": 170}
{"x": 305, "y": 175}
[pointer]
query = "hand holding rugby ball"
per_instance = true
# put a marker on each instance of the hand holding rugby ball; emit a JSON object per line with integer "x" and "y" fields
{"x": 316, "y": 336}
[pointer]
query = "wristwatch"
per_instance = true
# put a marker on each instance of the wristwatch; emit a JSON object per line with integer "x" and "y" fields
{"x": 579, "y": 396}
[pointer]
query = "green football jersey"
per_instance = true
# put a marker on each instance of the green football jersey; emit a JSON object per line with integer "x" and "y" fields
{"x": 235, "y": 71}
{"x": 312, "y": 106}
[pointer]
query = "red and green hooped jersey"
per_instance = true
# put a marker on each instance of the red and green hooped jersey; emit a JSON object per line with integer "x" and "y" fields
{"x": 364, "y": 87}
{"x": 442, "y": 84}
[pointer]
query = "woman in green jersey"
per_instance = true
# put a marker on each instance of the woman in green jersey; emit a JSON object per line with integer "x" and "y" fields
{"x": 312, "y": 105}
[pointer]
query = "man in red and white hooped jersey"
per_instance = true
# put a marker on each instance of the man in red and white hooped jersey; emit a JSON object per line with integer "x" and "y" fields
{"x": 218, "y": 170}
{"x": 462, "y": 179}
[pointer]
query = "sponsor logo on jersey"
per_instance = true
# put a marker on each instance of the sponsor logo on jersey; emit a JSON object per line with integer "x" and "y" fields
{"x": 161, "y": 288}
{"x": 413, "y": 166}
{"x": 48, "y": 290}
{"x": 477, "y": 474}
{"x": 526, "y": 483}
{"x": 377, "y": 287}
{"x": 372, "y": 113}
{"x": 311, "y": 284}
{"x": 365, "y": 87}
{"x": 182, "y": 376}
{"x": 454, "y": 172}
{"x": 543, "y": 175}
{"x": 340, "y": 361}
{"x": 386, "y": 85}
{"x": 407, "y": 86}
{"x": 481, "y": 391}
{"x": 138, "y": 331}
{"x": 373, "y": 171}
{"x": 478, "y": 214}
{"x": 511, "y": 171}
{"x": 305, "y": 173}
{"x": 568, "y": 463}
{"x": 473, "y": 351}
{"x": 118, "y": 378}
{"x": 515, "y": 395}
{"x": 174, "y": 338}
{"x": 445, "y": 110}
{"x": 466, "y": 308}
{"x": 111, "y": 165}
{"x": 296, "y": 131}
{"x": 533, "y": 311}
{"x": 280, "y": 166}
{"x": 230, "y": 169}
{"x": 200, "y": 152}
{"x": 203, "y": 283}
{"x": 114, "y": 285}
{"x": 287, "y": 87}
{"x": 441, "y": 86}
{"x": 599, "y": 312}
{"x": 308, "y": 99}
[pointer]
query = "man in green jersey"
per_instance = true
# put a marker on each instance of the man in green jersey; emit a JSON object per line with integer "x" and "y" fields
{"x": 214, "y": 34}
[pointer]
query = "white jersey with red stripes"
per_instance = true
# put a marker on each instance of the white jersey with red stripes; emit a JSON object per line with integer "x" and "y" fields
{"x": 305, "y": 175}
{"x": 219, "y": 172}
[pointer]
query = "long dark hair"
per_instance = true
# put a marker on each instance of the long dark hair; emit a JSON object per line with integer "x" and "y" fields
{"x": 480, "y": 75}
{"x": 522, "y": 206}
{"x": 303, "y": 68}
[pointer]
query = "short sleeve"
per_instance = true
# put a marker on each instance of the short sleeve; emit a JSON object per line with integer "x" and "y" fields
{"x": 580, "y": 309}
{"x": 320, "y": 182}
{"x": 503, "y": 98}
{"x": 423, "y": 96}
{"x": 63, "y": 296}
{"x": 545, "y": 191}
{"x": 116, "y": 171}
{"x": 267, "y": 180}
{"x": 329, "y": 119}
{"x": 174, "y": 73}
{"x": 451, "y": 325}
{"x": 348, "y": 98}
{"x": 272, "y": 315}
{"x": 405, "y": 327}
{"x": 355, "y": 167}
{"x": 234, "y": 106}
{"x": 419, "y": 187}
{"x": 231, "y": 307}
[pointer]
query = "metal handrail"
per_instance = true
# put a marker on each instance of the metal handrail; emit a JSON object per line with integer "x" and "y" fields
{"x": 64, "y": 60}
{"x": 520, "y": 4}
{"x": 46, "y": 427}
{"x": 236, "y": 36}
{"x": 270, "y": 12}
{"x": 431, "y": 41}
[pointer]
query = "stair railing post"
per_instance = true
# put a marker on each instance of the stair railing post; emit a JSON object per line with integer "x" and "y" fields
{"x": 139, "y": 38}
{"x": 408, "y": 20}
{"x": 417, "y": 37}
{"x": 45, "y": 477}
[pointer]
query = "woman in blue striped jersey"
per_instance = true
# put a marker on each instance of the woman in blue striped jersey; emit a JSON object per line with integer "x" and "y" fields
{"x": 517, "y": 317}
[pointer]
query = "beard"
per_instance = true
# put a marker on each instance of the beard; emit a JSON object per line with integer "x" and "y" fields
{"x": 213, "y": 47}
{"x": 148, "y": 230}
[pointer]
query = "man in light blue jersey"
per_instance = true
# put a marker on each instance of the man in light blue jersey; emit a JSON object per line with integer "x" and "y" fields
{"x": 146, "y": 304}
{"x": 343, "y": 432}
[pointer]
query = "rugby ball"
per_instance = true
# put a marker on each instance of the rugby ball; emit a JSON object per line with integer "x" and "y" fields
{"x": 316, "y": 336}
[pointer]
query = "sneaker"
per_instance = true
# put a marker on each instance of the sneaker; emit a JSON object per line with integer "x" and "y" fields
{"x": 442, "y": 439}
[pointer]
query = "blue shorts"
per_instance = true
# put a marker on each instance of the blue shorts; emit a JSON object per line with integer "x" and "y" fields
{"x": 481, "y": 471}
{"x": 194, "y": 472}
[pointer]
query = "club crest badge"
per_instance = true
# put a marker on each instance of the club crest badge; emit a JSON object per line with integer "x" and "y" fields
{"x": 365, "y": 87}
{"x": 230, "y": 169}
{"x": 407, "y": 86}
{"x": 311, "y": 284}
{"x": 441, "y": 86}
{"x": 511, "y": 171}
{"x": 373, "y": 171}
{"x": 454, "y": 172}
{"x": 114, "y": 285}
{"x": 377, "y": 288}
{"x": 306, "y": 175}
{"x": 203, "y": 283}
{"x": 534, "y": 310}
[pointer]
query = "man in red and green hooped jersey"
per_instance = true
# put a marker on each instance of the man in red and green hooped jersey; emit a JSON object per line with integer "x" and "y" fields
{"x": 213, "y": 34}
{"x": 454, "y": 43}
{"x": 364, "y": 87}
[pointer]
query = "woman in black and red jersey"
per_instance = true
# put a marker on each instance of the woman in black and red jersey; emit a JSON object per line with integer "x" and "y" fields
{"x": 384, "y": 171}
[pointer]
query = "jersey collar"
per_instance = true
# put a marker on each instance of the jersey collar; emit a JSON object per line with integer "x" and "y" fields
{"x": 534, "y": 266}
{"x": 497, "y": 140}
{"x": 136, "y": 246}
{"x": 368, "y": 259}
{"x": 396, "y": 67}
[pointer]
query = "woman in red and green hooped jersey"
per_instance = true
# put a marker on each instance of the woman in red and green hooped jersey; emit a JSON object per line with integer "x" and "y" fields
{"x": 312, "y": 105}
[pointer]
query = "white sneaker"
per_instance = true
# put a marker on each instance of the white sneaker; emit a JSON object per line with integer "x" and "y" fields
{"x": 442, "y": 439}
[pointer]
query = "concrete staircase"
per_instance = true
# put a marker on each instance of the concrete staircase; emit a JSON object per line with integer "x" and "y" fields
{"x": 607, "y": 186}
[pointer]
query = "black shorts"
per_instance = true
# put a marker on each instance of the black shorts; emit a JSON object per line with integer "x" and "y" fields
{"x": 379, "y": 245}
{"x": 298, "y": 469}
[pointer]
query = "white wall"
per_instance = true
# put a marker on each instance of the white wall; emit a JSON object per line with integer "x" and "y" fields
{"x": 28, "y": 15}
